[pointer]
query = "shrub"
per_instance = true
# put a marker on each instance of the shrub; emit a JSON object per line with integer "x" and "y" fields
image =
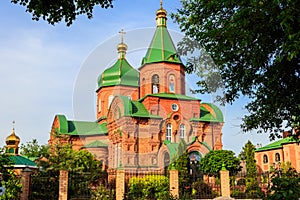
{"x": 148, "y": 187}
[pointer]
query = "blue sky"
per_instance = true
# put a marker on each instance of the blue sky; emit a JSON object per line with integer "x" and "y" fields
{"x": 46, "y": 70}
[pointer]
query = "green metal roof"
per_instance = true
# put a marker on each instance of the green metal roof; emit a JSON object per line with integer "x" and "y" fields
{"x": 161, "y": 48}
{"x": 170, "y": 96}
{"x": 194, "y": 139}
{"x": 121, "y": 73}
{"x": 95, "y": 144}
{"x": 209, "y": 113}
{"x": 70, "y": 127}
{"x": 278, "y": 144}
{"x": 173, "y": 148}
{"x": 135, "y": 108}
{"x": 20, "y": 160}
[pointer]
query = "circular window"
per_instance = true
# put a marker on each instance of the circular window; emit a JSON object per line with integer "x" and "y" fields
{"x": 174, "y": 107}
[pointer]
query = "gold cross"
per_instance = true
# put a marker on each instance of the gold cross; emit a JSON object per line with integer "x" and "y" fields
{"x": 122, "y": 32}
{"x": 161, "y": 3}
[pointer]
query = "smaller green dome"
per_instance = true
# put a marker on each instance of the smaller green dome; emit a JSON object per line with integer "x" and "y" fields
{"x": 121, "y": 73}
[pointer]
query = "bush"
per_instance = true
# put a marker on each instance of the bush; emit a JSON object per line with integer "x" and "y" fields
{"x": 202, "y": 190}
{"x": 148, "y": 187}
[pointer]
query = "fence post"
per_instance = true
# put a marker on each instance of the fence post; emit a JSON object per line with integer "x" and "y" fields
{"x": 63, "y": 184}
{"x": 120, "y": 184}
{"x": 174, "y": 183}
{"x": 225, "y": 185}
{"x": 26, "y": 181}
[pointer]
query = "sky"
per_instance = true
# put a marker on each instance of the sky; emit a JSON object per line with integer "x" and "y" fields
{"x": 47, "y": 70}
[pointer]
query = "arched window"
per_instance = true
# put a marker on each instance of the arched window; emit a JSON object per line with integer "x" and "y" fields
{"x": 110, "y": 98}
{"x": 265, "y": 159}
{"x": 171, "y": 83}
{"x": 99, "y": 104}
{"x": 182, "y": 131}
{"x": 277, "y": 157}
{"x": 169, "y": 132}
{"x": 155, "y": 84}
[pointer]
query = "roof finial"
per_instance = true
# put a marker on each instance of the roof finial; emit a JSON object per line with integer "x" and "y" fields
{"x": 161, "y": 15}
{"x": 122, "y": 32}
{"x": 122, "y": 47}
{"x": 161, "y": 3}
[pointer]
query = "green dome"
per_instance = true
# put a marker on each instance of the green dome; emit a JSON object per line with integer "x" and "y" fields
{"x": 121, "y": 73}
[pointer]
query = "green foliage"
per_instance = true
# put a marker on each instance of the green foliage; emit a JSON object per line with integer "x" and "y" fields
{"x": 181, "y": 163}
{"x": 212, "y": 163}
{"x": 9, "y": 180}
{"x": 33, "y": 149}
{"x": 12, "y": 185}
{"x": 101, "y": 193}
{"x": 249, "y": 48}
{"x": 202, "y": 190}
{"x": 284, "y": 185}
{"x": 148, "y": 187}
{"x": 56, "y": 11}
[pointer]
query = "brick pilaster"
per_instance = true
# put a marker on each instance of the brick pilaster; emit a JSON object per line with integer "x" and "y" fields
{"x": 26, "y": 182}
{"x": 174, "y": 183}
{"x": 120, "y": 184}
{"x": 225, "y": 183}
{"x": 63, "y": 185}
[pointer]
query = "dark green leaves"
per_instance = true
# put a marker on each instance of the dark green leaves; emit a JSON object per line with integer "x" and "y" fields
{"x": 55, "y": 11}
{"x": 255, "y": 47}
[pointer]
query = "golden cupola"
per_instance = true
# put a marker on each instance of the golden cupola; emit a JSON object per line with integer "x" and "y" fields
{"x": 161, "y": 16}
{"x": 12, "y": 143}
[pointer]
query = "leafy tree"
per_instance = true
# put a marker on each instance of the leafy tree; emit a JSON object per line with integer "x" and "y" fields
{"x": 55, "y": 11}
{"x": 212, "y": 163}
{"x": 248, "y": 155}
{"x": 182, "y": 164}
{"x": 255, "y": 50}
{"x": 8, "y": 179}
{"x": 33, "y": 149}
{"x": 284, "y": 184}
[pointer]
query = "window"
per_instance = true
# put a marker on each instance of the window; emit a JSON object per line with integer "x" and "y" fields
{"x": 174, "y": 107}
{"x": 110, "y": 98}
{"x": 99, "y": 104}
{"x": 169, "y": 132}
{"x": 182, "y": 131}
{"x": 155, "y": 84}
{"x": 277, "y": 157}
{"x": 171, "y": 83}
{"x": 265, "y": 159}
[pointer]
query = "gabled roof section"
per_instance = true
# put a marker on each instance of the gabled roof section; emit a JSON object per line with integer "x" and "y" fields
{"x": 135, "y": 108}
{"x": 209, "y": 113}
{"x": 161, "y": 48}
{"x": 173, "y": 148}
{"x": 71, "y": 127}
{"x": 121, "y": 73}
{"x": 195, "y": 139}
{"x": 18, "y": 160}
{"x": 278, "y": 144}
{"x": 169, "y": 96}
{"x": 96, "y": 144}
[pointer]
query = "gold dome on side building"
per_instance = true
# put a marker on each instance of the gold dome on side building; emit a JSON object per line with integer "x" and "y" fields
{"x": 12, "y": 143}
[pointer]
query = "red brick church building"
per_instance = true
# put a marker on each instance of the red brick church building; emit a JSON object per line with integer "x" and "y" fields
{"x": 143, "y": 114}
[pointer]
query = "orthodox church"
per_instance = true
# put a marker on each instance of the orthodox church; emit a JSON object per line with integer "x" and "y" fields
{"x": 18, "y": 162}
{"x": 144, "y": 113}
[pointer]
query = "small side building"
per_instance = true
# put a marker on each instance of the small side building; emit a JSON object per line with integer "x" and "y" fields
{"x": 272, "y": 155}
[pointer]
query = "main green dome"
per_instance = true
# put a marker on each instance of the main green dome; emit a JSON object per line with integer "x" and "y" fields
{"x": 121, "y": 73}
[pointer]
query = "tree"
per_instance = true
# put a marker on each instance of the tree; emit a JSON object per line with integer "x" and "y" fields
{"x": 8, "y": 179}
{"x": 284, "y": 183}
{"x": 33, "y": 149}
{"x": 255, "y": 50}
{"x": 212, "y": 162}
{"x": 252, "y": 188}
{"x": 55, "y": 11}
